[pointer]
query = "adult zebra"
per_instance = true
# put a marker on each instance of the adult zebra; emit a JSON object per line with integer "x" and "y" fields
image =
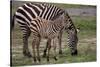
{"x": 29, "y": 11}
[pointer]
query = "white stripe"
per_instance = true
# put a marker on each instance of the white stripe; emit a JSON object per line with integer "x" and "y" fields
{"x": 36, "y": 24}
{"x": 26, "y": 12}
{"x": 42, "y": 5}
{"x": 52, "y": 12}
{"x": 36, "y": 7}
{"x": 32, "y": 10}
{"x": 49, "y": 11}
{"x": 19, "y": 14}
{"x": 32, "y": 25}
{"x": 18, "y": 20}
{"x": 44, "y": 12}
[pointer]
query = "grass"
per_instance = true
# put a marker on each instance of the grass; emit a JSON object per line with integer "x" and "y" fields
{"x": 86, "y": 45}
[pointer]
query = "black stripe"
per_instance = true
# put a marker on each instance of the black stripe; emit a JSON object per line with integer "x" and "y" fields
{"x": 38, "y": 22}
{"x": 50, "y": 12}
{"x": 39, "y": 5}
{"x": 34, "y": 30}
{"x": 22, "y": 12}
{"x": 46, "y": 13}
{"x": 42, "y": 12}
{"x": 56, "y": 13}
{"x": 33, "y": 25}
{"x": 29, "y": 11}
{"x": 21, "y": 18}
{"x": 54, "y": 28}
{"x": 21, "y": 23}
{"x": 70, "y": 27}
{"x": 24, "y": 26}
{"x": 34, "y": 8}
{"x": 53, "y": 13}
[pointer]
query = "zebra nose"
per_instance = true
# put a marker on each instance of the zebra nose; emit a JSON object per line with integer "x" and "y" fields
{"x": 74, "y": 53}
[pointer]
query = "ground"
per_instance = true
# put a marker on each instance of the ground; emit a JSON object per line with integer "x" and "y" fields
{"x": 84, "y": 18}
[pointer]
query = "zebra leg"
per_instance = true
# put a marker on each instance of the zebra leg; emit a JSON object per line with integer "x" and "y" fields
{"x": 37, "y": 45}
{"x": 49, "y": 47}
{"x": 33, "y": 46}
{"x": 26, "y": 35}
{"x": 59, "y": 40}
{"x": 45, "y": 50}
{"x": 54, "y": 47}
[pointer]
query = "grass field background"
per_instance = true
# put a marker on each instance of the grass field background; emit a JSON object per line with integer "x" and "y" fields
{"x": 86, "y": 45}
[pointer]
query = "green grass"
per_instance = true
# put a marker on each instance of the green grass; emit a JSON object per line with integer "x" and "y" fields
{"x": 86, "y": 45}
{"x": 85, "y": 23}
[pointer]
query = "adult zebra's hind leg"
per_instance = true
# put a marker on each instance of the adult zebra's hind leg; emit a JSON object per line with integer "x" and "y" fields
{"x": 26, "y": 34}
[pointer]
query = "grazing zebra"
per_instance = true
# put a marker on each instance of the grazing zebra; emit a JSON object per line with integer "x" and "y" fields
{"x": 47, "y": 29}
{"x": 27, "y": 12}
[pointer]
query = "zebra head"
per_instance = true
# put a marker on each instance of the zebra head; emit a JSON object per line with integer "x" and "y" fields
{"x": 72, "y": 34}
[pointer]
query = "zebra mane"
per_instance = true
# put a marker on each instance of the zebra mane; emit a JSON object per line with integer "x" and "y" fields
{"x": 57, "y": 16}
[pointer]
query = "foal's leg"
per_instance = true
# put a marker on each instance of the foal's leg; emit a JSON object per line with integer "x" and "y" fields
{"x": 54, "y": 47}
{"x": 45, "y": 50}
{"x": 49, "y": 47}
{"x": 59, "y": 42}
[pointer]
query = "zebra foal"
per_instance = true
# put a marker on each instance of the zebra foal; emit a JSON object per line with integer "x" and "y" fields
{"x": 47, "y": 29}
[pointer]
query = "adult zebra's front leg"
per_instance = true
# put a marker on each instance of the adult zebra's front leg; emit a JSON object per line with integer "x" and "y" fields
{"x": 26, "y": 34}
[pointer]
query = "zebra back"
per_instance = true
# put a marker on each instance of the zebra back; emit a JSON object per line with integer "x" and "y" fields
{"x": 28, "y": 11}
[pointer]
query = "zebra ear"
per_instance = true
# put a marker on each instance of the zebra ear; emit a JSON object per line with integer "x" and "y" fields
{"x": 78, "y": 29}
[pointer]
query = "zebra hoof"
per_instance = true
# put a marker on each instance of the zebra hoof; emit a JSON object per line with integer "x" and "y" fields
{"x": 47, "y": 58}
{"x": 27, "y": 54}
{"x": 39, "y": 59}
{"x": 44, "y": 55}
{"x": 74, "y": 53}
{"x": 60, "y": 52}
{"x": 55, "y": 58}
{"x": 35, "y": 59}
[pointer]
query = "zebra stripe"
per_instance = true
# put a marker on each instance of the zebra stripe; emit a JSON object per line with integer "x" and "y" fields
{"x": 45, "y": 27}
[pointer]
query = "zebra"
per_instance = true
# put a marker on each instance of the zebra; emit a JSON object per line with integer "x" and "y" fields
{"x": 27, "y": 12}
{"x": 47, "y": 29}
